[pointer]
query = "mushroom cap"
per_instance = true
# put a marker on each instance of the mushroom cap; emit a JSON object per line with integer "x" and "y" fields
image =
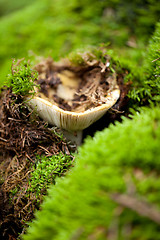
{"x": 72, "y": 121}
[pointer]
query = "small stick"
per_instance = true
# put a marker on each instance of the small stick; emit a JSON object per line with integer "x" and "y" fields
{"x": 45, "y": 149}
{"x": 29, "y": 158}
{"x": 3, "y": 139}
{"x": 156, "y": 59}
{"x": 141, "y": 207}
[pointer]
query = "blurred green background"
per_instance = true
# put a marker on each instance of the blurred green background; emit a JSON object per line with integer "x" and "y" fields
{"x": 57, "y": 27}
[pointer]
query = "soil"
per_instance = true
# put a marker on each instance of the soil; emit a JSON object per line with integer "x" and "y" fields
{"x": 22, "y": 136}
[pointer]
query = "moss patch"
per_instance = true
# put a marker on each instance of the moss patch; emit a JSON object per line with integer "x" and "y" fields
{"x": 22, "y": 78}
{"x": 83, "y": 205}
{"x": 148, "y": 88}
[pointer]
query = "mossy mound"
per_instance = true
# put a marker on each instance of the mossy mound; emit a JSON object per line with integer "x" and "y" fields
{"x": 120, "y": 162}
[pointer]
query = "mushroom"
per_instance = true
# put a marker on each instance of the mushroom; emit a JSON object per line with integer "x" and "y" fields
{"x": 73, "y": 121}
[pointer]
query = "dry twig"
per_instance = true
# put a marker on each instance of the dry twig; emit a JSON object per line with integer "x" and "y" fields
{"x": 142, "y": 208}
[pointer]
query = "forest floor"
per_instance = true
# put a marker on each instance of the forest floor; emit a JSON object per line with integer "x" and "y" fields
{"x": 22, "y": 138}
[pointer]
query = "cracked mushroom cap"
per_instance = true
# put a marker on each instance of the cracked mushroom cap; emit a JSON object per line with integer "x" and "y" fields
{"x": 83, "y": 116}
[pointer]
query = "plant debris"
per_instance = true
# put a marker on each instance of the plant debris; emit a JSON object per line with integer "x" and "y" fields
{"x": 76, "y": 87}
{"x": 23, "y": 136}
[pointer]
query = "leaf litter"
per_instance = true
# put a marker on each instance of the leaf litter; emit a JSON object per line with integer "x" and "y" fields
{"x": 22, "y": 136}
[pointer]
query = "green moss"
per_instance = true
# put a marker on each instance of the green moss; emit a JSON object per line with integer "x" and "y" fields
{"x": 45, "y": 171}
{"x": 123, "y": 158}
{"x": 22, "y": 78}
{"x": 153, "y": 64}
{"x": 147, "y": 89}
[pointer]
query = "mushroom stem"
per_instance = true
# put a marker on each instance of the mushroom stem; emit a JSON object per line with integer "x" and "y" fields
{"x": 74, "y": 137}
